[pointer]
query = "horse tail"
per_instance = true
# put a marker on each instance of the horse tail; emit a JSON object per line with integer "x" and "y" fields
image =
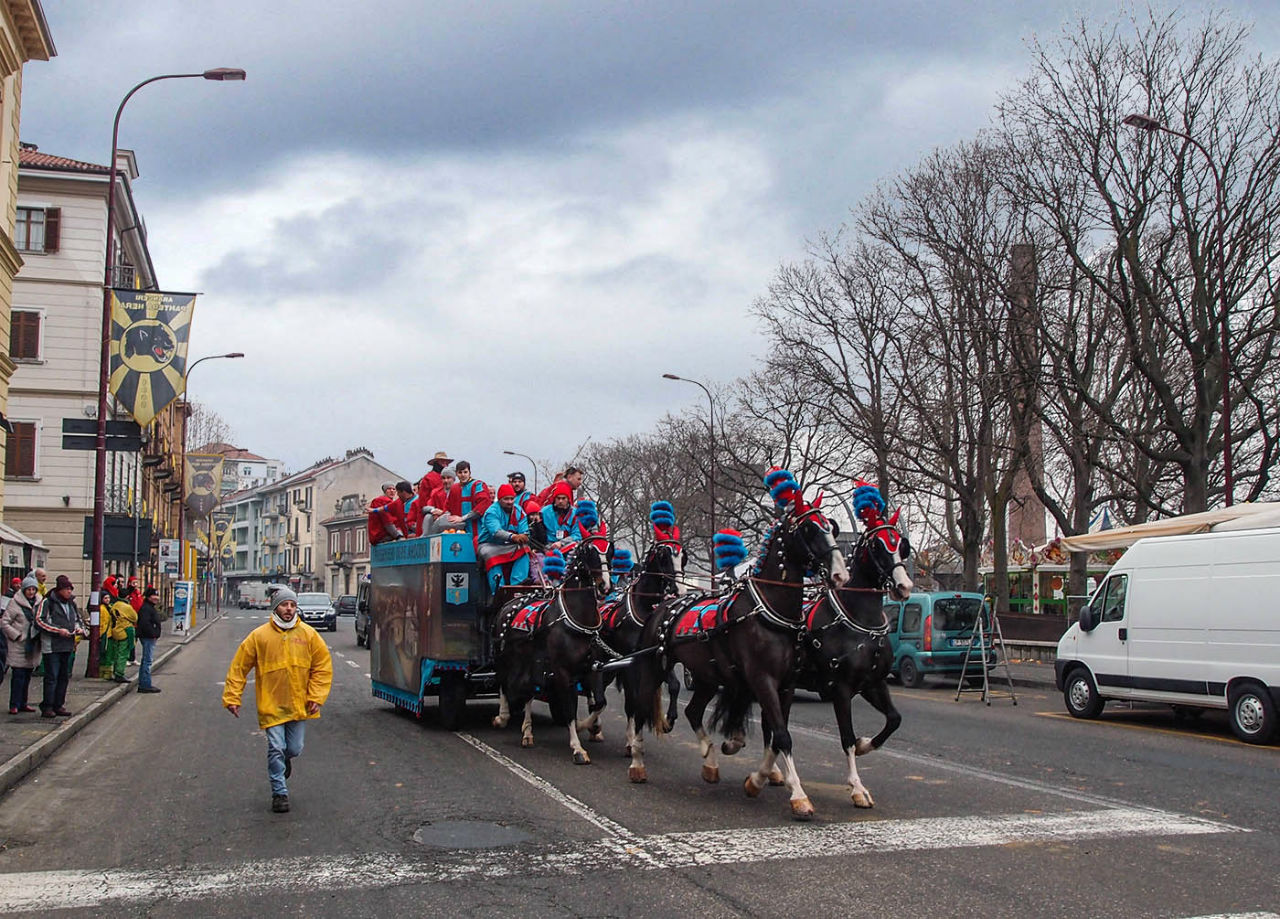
{"x": 733, "y": 705}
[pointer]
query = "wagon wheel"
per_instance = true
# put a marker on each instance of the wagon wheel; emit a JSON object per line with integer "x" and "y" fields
{"x": 453, "y": 700}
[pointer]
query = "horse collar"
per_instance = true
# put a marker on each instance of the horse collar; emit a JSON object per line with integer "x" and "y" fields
{"x": 767, "y": 614}
{"x": 842, "y": 617}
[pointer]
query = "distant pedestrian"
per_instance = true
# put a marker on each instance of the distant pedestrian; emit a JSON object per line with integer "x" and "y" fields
{"x": 41, "y": 577}
{"x": 19, "y": 626}
{"x": 148, "y": 632}
{"x": 292, "y": 675}
{"x": 59, "y": 623}
{"x": 117, "y": 621}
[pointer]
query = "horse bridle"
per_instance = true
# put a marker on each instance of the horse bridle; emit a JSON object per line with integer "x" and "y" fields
{"x": 820, "y": 563}
{"x": 865, "y": 545}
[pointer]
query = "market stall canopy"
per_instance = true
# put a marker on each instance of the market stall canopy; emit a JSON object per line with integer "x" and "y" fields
{"x": 14, "y": 546}
{"x": 1236, "y": 517}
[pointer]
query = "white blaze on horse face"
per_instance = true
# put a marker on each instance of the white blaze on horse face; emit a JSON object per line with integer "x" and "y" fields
{"x": 839, "y": 570}
{"x": 902, "y": 585}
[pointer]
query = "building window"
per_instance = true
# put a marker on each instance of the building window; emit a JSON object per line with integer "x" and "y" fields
{"x": 37, "y": 229}
{"x": 20, "y": 450}
{"x": 24, "y": 335}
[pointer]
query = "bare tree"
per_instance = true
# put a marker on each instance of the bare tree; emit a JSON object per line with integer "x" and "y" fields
{"x": 206, "y": 428}
{"x": 1145, "y": 216}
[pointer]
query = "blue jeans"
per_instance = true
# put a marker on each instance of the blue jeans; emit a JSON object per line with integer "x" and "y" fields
{"x": 57, "y": 673}
{"x": 282, "y": 740}
{"x": 144, "y": 668}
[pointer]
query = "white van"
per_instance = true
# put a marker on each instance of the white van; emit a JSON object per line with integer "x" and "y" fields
{"x": 1193, "y": 621}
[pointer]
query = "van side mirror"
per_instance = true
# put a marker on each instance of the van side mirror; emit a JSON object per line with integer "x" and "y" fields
{"x": 1088, "y": 618}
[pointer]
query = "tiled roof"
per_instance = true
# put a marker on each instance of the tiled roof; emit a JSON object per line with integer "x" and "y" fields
{"x": 33, "y": 159}
{"x": 230, "y": 452}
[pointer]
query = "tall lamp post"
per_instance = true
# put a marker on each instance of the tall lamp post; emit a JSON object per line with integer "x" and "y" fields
{"x": 711, "y": 470}
{"x": 1149, "y": 124}
{"x": 182, "y": 465}
{"x": 532, "y": 465}
{"x": 220, "y": 74}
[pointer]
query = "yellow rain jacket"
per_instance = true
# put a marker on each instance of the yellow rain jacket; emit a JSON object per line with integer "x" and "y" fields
{"x": 122, "y": 616}
{"x": 291, "y": 667}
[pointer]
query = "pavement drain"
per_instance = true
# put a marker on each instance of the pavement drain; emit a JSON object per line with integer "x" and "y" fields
{"x": 468, "y": 834}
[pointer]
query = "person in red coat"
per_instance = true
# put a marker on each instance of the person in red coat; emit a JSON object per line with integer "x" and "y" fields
{"x": 386, "y": 516}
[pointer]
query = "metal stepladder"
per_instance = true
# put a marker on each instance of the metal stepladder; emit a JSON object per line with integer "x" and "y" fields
{"x": 978, "y": 639}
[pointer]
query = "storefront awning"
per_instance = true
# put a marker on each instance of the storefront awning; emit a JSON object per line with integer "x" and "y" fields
{"x": 1236, "y": 517}
{"x": 13, "y": 546}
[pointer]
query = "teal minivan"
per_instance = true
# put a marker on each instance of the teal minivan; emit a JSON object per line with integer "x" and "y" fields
{"x": 931, "y": 632}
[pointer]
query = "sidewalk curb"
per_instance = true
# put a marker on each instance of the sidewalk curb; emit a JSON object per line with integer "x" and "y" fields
{"x": 22, "y": 764}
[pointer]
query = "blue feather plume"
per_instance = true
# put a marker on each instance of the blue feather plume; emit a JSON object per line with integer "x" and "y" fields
{"x": 729, "y": 548}
{"x": 622, "y": 561}
{"x": 661, "y": 513}
{"x": 867, "y": 496}
{"x": 553, "y": 564}
{"x": 585, "y": 512}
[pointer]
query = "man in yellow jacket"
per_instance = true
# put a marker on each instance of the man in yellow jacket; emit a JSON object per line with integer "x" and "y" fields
{"x": 292, "y": 673}
{"x": 118, "y": 620}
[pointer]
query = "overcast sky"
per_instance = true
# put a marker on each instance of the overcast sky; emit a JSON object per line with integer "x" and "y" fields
{"x": 486, "y": 226}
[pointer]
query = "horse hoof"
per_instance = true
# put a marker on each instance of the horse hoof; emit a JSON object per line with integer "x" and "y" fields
{"x": 801, "y": 809}
{"x": 752, "y": 790}
{"x": 626, "y": 751}
{"x": 597, "y": 737}
{"x": 730, "y": 747}
{"x": 863, "y": 746}
{"x": 638, "y": 774}
{"x": 776, "y": 779}
{"x": 862, "y": 799}
{"x": 581, "y": 758}
{"x": 711, "y": 774}
{"x": 499, "y": 721}
{"x": 526, "y": 742}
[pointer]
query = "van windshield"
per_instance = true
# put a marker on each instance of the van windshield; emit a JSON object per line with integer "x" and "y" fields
{"x": 955, "y": 614}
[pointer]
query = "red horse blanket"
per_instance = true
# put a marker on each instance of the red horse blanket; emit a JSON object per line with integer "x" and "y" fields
{"x": 529, "y": 617}
{"x": 704, "y": 616}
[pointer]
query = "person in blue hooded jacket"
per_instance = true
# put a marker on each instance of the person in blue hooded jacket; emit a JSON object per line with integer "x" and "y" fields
{"x": 503, "y": 541}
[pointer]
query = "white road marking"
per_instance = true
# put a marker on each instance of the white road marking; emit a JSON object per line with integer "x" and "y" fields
{"x": 1240, "y": 916}
{"x": 353, "y": 664}
{"x": 80, "y": 889}
{"x": 585, "y": 811}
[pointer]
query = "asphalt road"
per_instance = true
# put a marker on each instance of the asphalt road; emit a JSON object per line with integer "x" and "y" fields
{"x": 161, "y": 808}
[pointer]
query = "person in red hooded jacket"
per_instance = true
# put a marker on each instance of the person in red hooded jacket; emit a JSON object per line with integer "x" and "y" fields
{"x": 386, "y": 516}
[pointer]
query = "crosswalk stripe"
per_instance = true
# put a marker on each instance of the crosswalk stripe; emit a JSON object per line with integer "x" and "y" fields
{"x": 79, "y": 889}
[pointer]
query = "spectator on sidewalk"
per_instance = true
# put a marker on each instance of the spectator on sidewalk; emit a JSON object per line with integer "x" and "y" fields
{"x": 148, "y": 632}
{"x": 59, "y": 623}
{"x": 118, "y": 620}
{"x": 41, "y": 577}
{"x": 292, "y": 675}
{"x": 134, "y": 597}
{"x": 18, "y": 625}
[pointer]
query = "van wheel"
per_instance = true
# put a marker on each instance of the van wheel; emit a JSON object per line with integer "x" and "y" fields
{"x": 910, "y": 674}
{"x": 1253, "y": 713}
{"x": 1081, "y": 696}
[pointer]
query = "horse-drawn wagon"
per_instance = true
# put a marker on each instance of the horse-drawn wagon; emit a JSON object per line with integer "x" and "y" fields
{"x": 428, "y": 634}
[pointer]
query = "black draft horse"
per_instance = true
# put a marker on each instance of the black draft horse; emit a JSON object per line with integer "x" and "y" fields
{"x": 624, "y": 619}
{"x": 750, "y": 657}
{"x": 548, "y": 644}
{"x": 846, "y": 646}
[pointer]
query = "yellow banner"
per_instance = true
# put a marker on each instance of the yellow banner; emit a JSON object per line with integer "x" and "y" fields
{"x": 204, "y": 483}
{"x": 149, "y": 332}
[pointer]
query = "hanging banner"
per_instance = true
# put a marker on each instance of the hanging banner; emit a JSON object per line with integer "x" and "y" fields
{"x": 149, "y": 331}
{"x": 221, "y": 537}
{"x": 204, "y": 483}
{"x": 200, "y": 534}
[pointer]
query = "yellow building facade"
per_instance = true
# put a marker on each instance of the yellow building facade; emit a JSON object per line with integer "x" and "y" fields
{"x": 24, "y": 36}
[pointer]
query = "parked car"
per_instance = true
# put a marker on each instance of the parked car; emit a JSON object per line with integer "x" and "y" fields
{"x": 1184, "y": 620}
{"x": 317, "y": 610}
{"x": 931, "y": 633}
{"x": 362, "y": 613}
{"x": 346, "y": 605}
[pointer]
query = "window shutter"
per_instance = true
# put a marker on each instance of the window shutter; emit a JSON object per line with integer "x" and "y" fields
{"x": 52, "y": 228}
{"x": 20, "y": 450}
{"x": 24, "y": 334}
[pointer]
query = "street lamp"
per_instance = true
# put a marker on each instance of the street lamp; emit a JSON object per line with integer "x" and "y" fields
{"x": 711, "y": 470}
{"x": 532, "y": 465}
{"x": 182, "y": 465}
{"x": 1151, "y": 125}
{"x": 219, "y": 74}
